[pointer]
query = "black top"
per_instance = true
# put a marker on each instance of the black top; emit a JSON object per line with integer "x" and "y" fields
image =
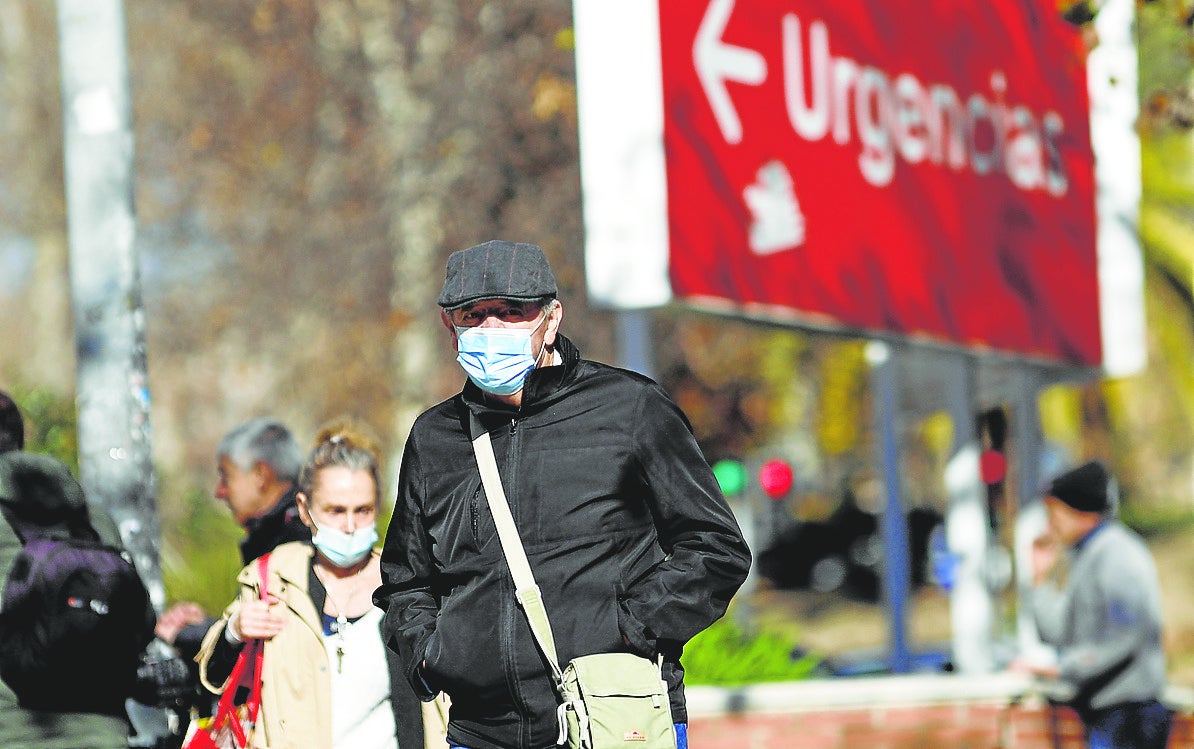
{"x": 280, "y": 524}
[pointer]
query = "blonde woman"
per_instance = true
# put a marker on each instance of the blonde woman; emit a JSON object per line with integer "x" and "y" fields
{"x": 329, "y": 682}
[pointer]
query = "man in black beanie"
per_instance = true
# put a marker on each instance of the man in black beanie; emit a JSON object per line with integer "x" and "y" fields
{"x": 1105, "y": 619}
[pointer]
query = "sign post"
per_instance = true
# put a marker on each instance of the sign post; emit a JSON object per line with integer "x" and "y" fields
{"x": 919, "y": 175}
{"x": 893, "y": 520}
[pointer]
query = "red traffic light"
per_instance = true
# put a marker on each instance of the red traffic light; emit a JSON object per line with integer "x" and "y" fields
{"x": 775, "y": 478}
{"x": 992, "y": 466}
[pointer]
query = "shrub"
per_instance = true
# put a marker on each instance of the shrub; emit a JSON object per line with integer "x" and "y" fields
{"x": 724, "y": 655}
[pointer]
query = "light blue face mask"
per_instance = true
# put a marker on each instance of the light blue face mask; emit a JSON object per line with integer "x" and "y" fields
{"x": 497, "y": 360}
{"x": 344, "y": 549}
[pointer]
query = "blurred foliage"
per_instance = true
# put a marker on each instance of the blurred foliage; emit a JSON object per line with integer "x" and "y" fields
{"x": 50, "y": 424}
{"x": 937, "y": 434}
{"x": 724, "y": 655}
{"x": 1151, "y": 415}
{"x": 1061, "y": 416}
{"x": 200, "y": 556}
{"x": 1166, "y": 56}
{"x": 1166, "y": 79}
{"x": 1153, "y": 522}
{"x": 1144, "y": 425}
{"x": 840, "y": 416}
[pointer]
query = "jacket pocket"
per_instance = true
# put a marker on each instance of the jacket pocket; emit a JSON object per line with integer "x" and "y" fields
{"x": 464, "y": 655}
{"x": 481, "y": 523}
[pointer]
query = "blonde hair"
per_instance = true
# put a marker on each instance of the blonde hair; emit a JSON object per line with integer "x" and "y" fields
{"x": 343, "y": 443}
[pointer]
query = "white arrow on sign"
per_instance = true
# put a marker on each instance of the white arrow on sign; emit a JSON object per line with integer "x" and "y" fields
{"x": 717, "y": 62}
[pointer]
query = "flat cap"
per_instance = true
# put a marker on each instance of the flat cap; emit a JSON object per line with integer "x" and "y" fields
{"x": 1085, "y": 488}
{"x": 497, "y": 269}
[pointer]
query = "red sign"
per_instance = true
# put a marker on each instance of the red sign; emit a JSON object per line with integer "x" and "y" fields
{"x": 923, "y": 169}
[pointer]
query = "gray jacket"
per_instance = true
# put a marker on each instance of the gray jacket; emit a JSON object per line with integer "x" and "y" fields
{"x": 1106, "y": 623}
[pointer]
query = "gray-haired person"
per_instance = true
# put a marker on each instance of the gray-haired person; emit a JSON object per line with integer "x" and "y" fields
{"x": 257, "y": 468}
{"x": 258, "y": 464}
{"x": 628, "y": 535}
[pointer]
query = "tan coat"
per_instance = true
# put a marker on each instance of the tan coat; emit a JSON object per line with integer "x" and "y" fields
{"x": 296, "y": 685}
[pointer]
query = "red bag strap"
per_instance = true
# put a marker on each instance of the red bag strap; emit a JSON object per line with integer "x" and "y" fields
{"x": 252, "y": 653}
{"x": 259, "y": 656}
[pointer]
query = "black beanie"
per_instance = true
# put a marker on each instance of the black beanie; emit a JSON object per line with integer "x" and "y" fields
{"x": 1084, "y": 488}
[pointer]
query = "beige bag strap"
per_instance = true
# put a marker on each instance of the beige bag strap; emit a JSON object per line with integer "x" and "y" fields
{"x": 525, "y": 588}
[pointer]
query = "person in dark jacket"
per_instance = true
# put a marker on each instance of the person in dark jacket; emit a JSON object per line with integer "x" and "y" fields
{"x": 628, "y": 535}
{"x": 258, "y": 464}
{"x": 29, "y": 484}
{"x": 12, "y": 425}
{"x": 41, "y": 490}
{"x": 1105, "y": 620}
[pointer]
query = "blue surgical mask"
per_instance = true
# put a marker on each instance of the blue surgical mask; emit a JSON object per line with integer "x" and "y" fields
{"x": 344, "y": 549}
{"x": 497, "y": 360}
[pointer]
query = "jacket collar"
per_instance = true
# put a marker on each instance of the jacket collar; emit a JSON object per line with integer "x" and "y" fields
{"x": 278, "y": 514}
{"x": 290, "y": 562}
{"x": 1081, "y": 543}
{"x": 545, "y": 381}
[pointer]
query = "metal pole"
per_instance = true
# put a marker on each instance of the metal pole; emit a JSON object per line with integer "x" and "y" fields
{"x": 115, "y": 463}
{"x": 968, "y": 533}
{"x": 635, "y": 344}
{"x": 1028, "y": 442}
{"x": 897, "y": 566}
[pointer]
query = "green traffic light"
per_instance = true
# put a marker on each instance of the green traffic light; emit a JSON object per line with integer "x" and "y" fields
{"x": 731, "y": 476}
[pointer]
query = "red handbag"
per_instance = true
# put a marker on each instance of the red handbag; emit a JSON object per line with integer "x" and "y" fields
{"x": 233, "y": 724}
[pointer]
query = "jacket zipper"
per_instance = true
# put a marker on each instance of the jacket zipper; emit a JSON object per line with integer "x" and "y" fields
{"x": 512, "y": 463}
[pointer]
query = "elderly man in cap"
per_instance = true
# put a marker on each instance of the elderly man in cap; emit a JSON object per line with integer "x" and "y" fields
{"x": 628, "y": 536}
{"x": 1105, "y": 620}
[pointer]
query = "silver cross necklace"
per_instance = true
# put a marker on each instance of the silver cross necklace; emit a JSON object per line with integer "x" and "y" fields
{"x": 341, "y": 624}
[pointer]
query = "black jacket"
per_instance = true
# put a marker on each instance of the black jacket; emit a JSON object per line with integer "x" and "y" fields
{"x": 626, "y": 530}
{"x": 41, "y": 490}
{"x": 280, "y": 524}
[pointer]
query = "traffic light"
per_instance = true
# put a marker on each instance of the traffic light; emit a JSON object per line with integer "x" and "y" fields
{"x": 730, "y": 475}
{"x": 992, "y": 466}
{"x": 775, "y": 478}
